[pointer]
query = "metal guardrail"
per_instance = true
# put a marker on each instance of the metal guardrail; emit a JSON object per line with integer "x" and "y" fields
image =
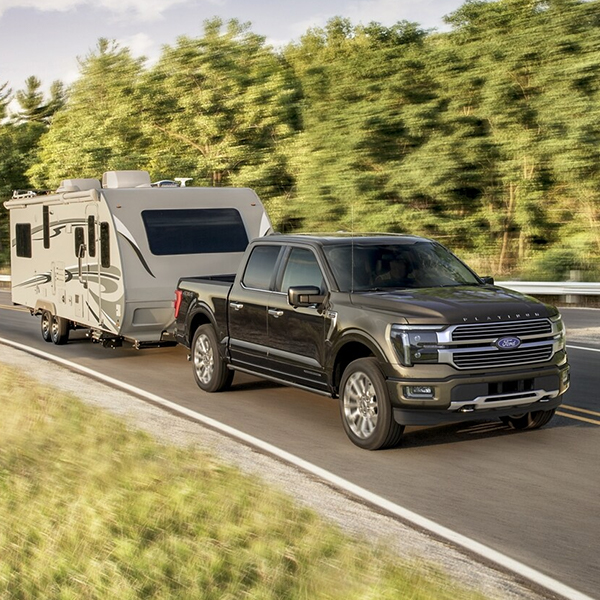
{"x": 546, "y": 288}
{"x": 549, "y": 288}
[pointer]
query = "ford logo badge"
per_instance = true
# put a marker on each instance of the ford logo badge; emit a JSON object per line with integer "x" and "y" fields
{"x": 508, "y": 343}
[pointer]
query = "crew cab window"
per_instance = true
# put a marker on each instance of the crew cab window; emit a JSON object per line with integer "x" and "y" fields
{"x": 302, "y": 268}
{"x": 261, "y": 267}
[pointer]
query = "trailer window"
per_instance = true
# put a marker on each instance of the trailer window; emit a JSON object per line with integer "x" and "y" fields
{"x": 91, "y": 236}
{"x": 46, "y": 225}
{"x": 104, "y": 244}
{"x": 23, "y": 232}
{"x": 79, "y": 239}
{"x": 195, "y": 231}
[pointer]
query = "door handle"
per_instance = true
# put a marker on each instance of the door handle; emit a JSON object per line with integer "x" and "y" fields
{"x": 236, "y": 305}
{"x": 275, "y": 313}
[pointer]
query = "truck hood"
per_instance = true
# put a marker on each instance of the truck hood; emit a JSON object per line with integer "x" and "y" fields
{"x": 453, "y": 305}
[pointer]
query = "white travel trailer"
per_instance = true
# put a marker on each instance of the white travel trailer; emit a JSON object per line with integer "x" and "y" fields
{"x": 107, "y": 257}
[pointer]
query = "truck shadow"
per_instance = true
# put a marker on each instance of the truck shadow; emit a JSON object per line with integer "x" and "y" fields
{"x": 416, "y": 437}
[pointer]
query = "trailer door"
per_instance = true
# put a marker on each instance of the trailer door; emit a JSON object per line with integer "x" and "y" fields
{"x": 90, "y": 262}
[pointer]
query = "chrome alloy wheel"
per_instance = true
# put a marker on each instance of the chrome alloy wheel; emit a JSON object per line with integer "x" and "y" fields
{"x": 54, "y": 328}
{"x": 361, "y": 409}
{"x": 204, "y": 359}
{"x": 46, "y": 325}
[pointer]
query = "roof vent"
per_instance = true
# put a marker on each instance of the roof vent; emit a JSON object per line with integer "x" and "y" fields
{"x": 125, "y": 179}
{"x": 78, "y": 185}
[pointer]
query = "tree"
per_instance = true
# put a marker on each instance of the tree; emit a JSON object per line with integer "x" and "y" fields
{"x": 220, "y": 108}
{"x": 5, "y": 97}
{"x": 99, "y": 127}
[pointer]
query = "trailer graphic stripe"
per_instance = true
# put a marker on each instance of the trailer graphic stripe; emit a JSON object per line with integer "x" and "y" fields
{"x": 126, "y": 234}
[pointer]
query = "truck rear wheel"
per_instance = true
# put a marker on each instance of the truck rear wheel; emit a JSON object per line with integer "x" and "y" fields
{"x": 59, "y": 330}
{"x": 46, "y": 323}
{"x": 532, "y": 420}
{"x": 365, "y": 407}
{"x": 210, "y": 370}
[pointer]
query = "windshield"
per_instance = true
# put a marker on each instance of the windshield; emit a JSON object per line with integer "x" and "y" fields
{"x": 421, "y": 264}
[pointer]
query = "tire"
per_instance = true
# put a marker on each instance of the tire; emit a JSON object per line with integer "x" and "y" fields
{"x": 46, "y": 324}
{"x": 59, "y": 330}
{"x": 210, "y": 370}
{"x": 365, "y": 407}
{"x": 532, "y": 420}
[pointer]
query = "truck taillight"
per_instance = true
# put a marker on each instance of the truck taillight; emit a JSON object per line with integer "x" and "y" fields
{"x": 177, "y": 302}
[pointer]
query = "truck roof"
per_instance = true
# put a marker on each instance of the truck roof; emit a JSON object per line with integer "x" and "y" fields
{"x": 327, "y": 239}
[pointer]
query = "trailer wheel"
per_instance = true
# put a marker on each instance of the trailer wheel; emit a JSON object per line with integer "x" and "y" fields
{"x": 46, "y": 323}
{"x": 59, "y": 330}
{"x": 210, "y": 370}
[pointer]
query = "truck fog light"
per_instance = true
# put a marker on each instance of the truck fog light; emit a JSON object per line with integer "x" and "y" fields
{"x": 421, "y": 392}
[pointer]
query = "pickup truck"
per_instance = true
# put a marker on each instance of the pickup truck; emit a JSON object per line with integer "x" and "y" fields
{"x": 396, "y": 327}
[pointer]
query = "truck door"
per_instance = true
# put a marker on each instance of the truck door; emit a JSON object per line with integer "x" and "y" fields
{"x": 248, "y": 302}
{"x": 296, "y": 336}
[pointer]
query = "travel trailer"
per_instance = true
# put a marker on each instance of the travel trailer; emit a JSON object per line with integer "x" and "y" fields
{"x": 106, "y": 256}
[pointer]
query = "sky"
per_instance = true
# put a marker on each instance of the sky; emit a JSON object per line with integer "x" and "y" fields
{"x": 45, "y": 37}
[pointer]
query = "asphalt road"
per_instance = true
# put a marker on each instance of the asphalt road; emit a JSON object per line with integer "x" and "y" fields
{"x": 534, "y": 496}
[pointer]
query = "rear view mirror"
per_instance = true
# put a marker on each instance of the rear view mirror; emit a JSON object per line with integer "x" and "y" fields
{"x": 488, "y": 280}
{"x": 305, "y": 296}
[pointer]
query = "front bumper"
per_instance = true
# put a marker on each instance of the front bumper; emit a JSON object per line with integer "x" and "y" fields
{"x": 482, "y": 396}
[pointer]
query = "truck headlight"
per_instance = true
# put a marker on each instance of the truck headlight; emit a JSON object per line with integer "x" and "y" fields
{"x": 560, "y": 333}
{"x": 415, "y": 343}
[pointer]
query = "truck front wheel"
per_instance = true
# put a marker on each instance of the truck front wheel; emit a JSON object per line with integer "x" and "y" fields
{"x": 532, "y": 420}
{"x": 365, "y": 406}
{"x": 210, "y": 371}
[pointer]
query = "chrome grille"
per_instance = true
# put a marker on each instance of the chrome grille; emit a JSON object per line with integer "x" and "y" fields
{"x": 491, "y": 357}
{"x": 484, "y": 331}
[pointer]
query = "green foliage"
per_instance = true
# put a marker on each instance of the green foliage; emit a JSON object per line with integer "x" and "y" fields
{"x": 220, "y": 108}
{"x": 487, "y": 136}
{"x": 5, "y": 97}
{"x": 90, "y": 509}
{"x": 99, "y": 127}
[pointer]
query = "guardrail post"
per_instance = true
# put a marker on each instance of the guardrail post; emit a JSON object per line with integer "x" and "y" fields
{"x": 574, "y": 275}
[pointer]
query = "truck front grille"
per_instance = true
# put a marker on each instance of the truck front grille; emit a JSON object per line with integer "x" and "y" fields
{"x": 474, "y": 346}
{"x": 495, "y": 330}
{"x": 500, "y": 358}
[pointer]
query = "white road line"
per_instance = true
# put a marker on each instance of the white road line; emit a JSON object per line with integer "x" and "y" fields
{"x": 440, "y": 531}
{"x": 583, "y": 348}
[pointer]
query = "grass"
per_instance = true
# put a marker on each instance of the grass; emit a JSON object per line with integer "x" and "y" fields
{"x": 90, "y": 509}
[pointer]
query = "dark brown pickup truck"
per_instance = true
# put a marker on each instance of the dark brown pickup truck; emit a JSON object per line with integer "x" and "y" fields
{"x": 396, "y": 327}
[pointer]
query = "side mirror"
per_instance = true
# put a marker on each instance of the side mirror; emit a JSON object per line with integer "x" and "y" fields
{"x": 305, "y": 296}
{"x": 488, "y": 280}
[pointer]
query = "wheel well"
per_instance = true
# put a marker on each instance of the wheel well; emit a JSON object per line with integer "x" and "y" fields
{"x": 197, "y": 320}
{"x": 346, "y": 354}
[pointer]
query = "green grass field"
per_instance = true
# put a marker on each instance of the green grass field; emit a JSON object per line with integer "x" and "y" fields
{"x": 90, "y": 509}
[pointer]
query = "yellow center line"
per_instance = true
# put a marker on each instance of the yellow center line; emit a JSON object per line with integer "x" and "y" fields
{"x": 578, "y": 418}
{"x": 581, "y": 410}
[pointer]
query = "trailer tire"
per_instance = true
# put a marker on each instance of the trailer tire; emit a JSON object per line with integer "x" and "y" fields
{"x": 210, "y": 370}
{"x": 46, "y": 324}
{"x": 59, "y": 331}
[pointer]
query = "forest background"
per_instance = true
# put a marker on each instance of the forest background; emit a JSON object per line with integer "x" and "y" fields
{"x": 485, "y": 137}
